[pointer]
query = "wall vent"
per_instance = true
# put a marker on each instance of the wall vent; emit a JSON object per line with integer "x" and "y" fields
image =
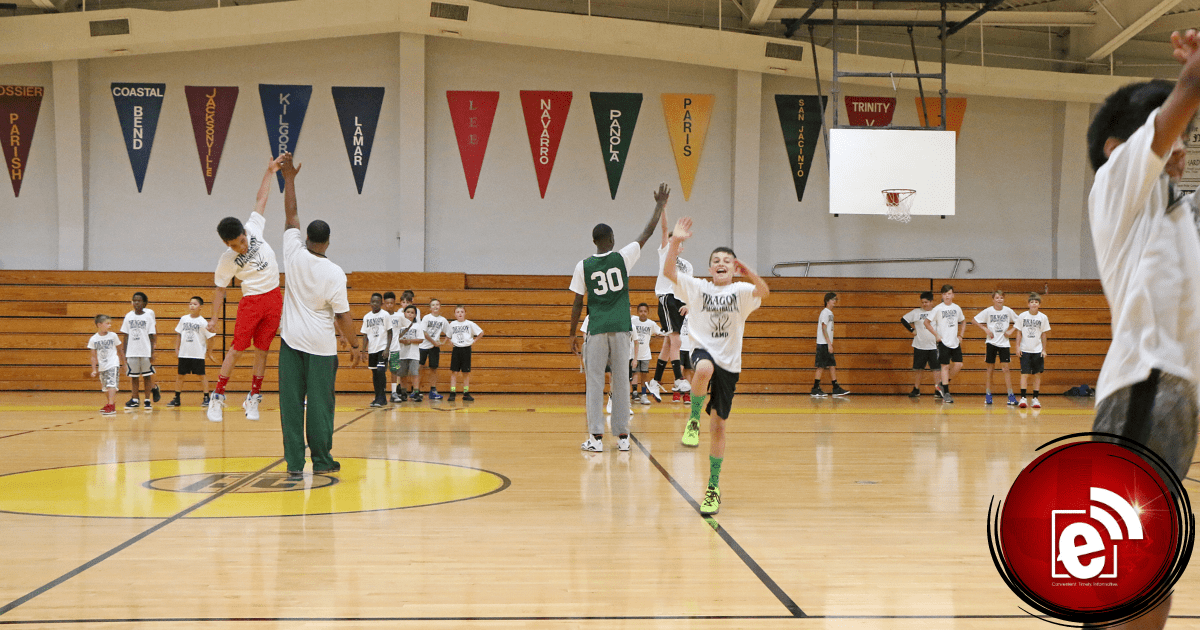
{"x": 448, "y": 11}
{"x": 780, "y": 51}
{"x": 101, "y": 28}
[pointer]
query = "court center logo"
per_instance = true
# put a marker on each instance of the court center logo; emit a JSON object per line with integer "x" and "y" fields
{"x": 1094, "y": 532}
{"x": 211, "y": 483}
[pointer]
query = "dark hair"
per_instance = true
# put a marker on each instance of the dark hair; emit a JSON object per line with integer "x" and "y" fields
{"x": 644, "y": 304}
{"x": 829, "y": 296}
{"x": 720, "y": 250}
{"x": 230, "y": 228}
{"x": 318, "y": 232}
{"x": 927, "y": 295}
{"x": 377, "y": 295}
{"x": 389, "y": 296}
{"x": 947, "y": 287}
{"x": 1123, "y": 113}
{"x": 407, "y": 295}
{"x": 144, "y": 298}
{"x": 198, "y": 299}
{"x": 601, "y": 232}
{"x": 412, "y": 306}
{"x": 100, "y": 319}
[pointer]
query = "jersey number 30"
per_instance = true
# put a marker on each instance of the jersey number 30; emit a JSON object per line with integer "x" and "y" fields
{"x": 608, "y": 281}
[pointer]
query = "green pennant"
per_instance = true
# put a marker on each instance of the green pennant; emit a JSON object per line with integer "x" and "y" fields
{"x": 616, "y": 116}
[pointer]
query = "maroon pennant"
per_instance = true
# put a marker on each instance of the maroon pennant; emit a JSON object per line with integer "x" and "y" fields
{"x": 211, "y": 109}
{"x": 19, "y": 107}
{"x": 472, "y": 114}
{"x": 870, "y": 111}
{"x": 545, "y": 119}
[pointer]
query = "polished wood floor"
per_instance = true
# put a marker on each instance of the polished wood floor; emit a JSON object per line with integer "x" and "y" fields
{"x": 867, "y": 512}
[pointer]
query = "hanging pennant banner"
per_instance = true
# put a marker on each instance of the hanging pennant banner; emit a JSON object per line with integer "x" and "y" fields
{"x": 870, "y": 111}
{"x": 687, "y": 123}
{"x": 545, "y": 118}
{"x": 212, "y": 110}
{"x": 472, "y": 114}
{"x": 956, "y": 109}
{"x": 616, "y": 115}
{"x": 358, "y": 113}
{"x": 284, "y": 107}
{"x": 800, "y": 118}
{"x": 138, "y": 106}
{"x": 19, "y": 107}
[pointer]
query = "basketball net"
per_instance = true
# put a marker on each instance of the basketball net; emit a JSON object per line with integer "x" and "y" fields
{"x": 899, "y": 203}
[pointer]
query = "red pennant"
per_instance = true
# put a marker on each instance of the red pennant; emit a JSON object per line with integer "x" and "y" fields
{"x": 211, "y": 109}
{"x": 870, "y": 111}
{"x": 545, "y": 118}
{"x": 19, "y": 107}
{"x": 472, "y": 114}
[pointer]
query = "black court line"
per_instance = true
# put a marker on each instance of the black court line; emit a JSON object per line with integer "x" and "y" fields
{"x": 43, "y": 428}
{"x": 128, "y": 543}
{"x": 754, "y": 567}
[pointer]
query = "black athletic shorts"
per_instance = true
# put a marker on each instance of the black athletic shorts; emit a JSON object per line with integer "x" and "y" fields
{"x": 378, "y": 360}
{"x": 685, "y": 359}
{"x": 997, "y": 351}
{"x": 1033, "y": 363}
{"x": 433, "y": 355}
{"x": 825, "y": 357}
{"x": 946, "y": 356}
{"x": 191, "y": 366}
{"x": 460, "y": 359}
{"x": 720, "y": 388}
{"x": 923, "y": 358}
{"x": 668, "y": 313}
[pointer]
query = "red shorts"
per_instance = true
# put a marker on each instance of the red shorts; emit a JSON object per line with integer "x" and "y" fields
{"x": 257, "y": 320}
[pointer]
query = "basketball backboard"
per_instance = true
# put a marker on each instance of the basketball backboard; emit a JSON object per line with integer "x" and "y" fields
{"x": 863, "y": 162}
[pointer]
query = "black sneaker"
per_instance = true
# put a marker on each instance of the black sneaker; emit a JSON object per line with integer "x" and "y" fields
{"x": 337, "y": 467}
{"x": 174, "y": 402}
{"x": 147, "y": 406}
{"x": 295, "y": 475}
{"x": 468, "y": 398}
{"x": 402, "y": 397}
{"x": 204, "y": 403}
{"x": 838, "y": 391}
{"x": 416, "y": 397}
{"x": 915, "y": 393}
{"x": 817, "y": 392}
{"x": 398, "y": 397}
{"x": 133, "y": 405}
{"x": 156, "y": 393}
{"x": 378, "y": 403}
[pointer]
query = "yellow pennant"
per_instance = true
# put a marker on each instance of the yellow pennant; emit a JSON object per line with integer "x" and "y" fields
{"x": 687, "y": 123}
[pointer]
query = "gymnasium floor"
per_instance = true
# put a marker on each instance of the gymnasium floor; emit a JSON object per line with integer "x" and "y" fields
{"x": 867, "y": 512}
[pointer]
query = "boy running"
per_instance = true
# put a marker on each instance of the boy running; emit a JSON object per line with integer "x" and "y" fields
{"x": 947, "y": 323}
{"x": 997, "y": 325}
{"x": 718, "y": 312}
{"x": 1032, "y": 327}
{"x": 925, "y": 351}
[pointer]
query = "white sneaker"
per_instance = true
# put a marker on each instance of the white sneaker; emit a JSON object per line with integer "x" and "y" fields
{"x": 1023, "y": 404}
{"x": 251, "y": 406}
{"x": 655, "y": 390}
{"x": 623, "y": 444}
{"x": 592, "y": 445}
{"x": 684, "y": 386}
{"x": 1036, "y": 404}
{"x": 608, "y": 407}
{"x": 644, "y": 399}
{"x": 216, "y": 405}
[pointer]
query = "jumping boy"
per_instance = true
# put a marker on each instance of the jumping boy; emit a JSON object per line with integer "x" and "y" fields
{"x": 947, "y": 323}
{"x": 463, "y": 333}
{"x": 376, "y": 332}
{"x": 107, "y": 357}
{"x": 431, "y": 349}
{"x": 670, "y": 314}
{"x": 925, "y": 350}
{"x": 824, "y": 357}
{"x": 644, "y": 329}
{"x": 140, "y": 337}
{"x": 1032, "y": 327}
{"x": 252, "y": 261}
{"x": 721, "y": 308}
{"x": 192, "y": 349}
{"x": 997, "y": 324}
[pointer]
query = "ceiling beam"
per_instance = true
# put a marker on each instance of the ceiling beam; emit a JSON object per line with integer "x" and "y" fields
{"x": 1129, "y": 32}
{"x": 1175, "y": 22}
{"x": 761, "y": 13}
{"x": 993, "y": 18}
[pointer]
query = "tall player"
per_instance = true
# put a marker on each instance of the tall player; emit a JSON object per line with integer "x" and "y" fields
{"x": 670, "y": 314}
{"x": 252, "y": 261}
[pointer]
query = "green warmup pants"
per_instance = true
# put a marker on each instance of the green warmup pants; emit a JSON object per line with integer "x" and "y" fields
{"x": 300, "y": 375}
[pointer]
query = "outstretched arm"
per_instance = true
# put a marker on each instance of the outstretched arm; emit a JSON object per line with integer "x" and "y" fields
{"x": 660, "y": 203}
{"x": 218, "y": 309}
{"x": 663, "y": 223}
{"x": 1181, "y": 105}
{"x": 761, "y": 290}
{"x": 264, "y": 191}
{"x": 289, "y": 170}
{"x": 681, "y": 233}
{"x": 907, "y": 326}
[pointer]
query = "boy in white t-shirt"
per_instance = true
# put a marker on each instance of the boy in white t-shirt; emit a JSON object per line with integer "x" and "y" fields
{"x": 670, "y": 313}
{"x": 947, "y": 323}
{"x": 684, "y": 393}
{"x": 718, "y": 312}
{"x": 1032, "y": 327}
{"x": 463, "y": 333}
{"x": 824, "y": 356}
{"x": 407, "y": 334}
{"x": 107, "y": 357}
{"x": 997, "y": 324}
{"x": 376, "y": 332}
{"x": 644, "y": 329}
{"x": 192, "y": 349}
{"x": 431, "y": 349}
{"x": 140, "y": 336}
{"x": 925, "y": 352}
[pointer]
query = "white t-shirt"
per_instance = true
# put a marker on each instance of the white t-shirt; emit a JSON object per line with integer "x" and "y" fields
{"x": 1031, "y": 327}
{"x": 630, "y": 253}
{"x": 945, "y": 321}
{"x": 376, "y": 326}
{"x": 139, "y": 328}
{"x": 416, "y": 331}
{"x": 826, "y": 318}
{"x": 643, "y": 331}
{"x": 435, "y": 325}
{"x": 923, "y": 340}
{"x": 315, "y": 292}
{"x": 257, "y": 268}
{"x": 663, "y": 286}
{"x": 462, "y": 334}
{"x": 721, "y": 314}
{"x": 106, "y": 350}
{"x": 397, "y": 323}
{"x": 1149, "y": 262}
{"x": 583, "y": 326}
{"x": 997, "y": 322}
{"x": 193, "y": 337}
{"x": 685, "y": 339}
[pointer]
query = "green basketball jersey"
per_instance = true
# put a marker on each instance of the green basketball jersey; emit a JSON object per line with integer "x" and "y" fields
{"x": 607, "y": 283}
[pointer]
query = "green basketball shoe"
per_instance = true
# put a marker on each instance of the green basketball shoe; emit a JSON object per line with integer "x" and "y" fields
{"x": 712, "y": 501}
{"x": 691, "y": 433}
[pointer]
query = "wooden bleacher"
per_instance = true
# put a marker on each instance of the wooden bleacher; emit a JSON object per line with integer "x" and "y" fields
{"x": 46, "y": 319}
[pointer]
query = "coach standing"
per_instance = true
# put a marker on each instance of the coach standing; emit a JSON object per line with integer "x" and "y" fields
{"x": 314, "y": 302}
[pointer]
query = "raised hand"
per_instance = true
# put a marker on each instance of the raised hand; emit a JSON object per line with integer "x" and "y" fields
{"x": 663, "y": 194}
{"x": 287, "y": 167}
{"x": 739, "y": 268}
{"x": 275, "y": 164}
{"x": 683, "y": 229}
{"x": 1185, "y": 44}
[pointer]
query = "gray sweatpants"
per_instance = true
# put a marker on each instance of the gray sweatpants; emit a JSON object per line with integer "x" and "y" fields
{"x": 607, "y": 350}
{"x": 1160, "y": 412}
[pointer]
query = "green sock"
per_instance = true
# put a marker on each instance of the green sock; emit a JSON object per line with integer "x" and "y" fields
{"x": 698, "y": 406}
{"x": 714, "y": 470}
{"x": 466, "y": 389}
{"x": 452, "y": 389}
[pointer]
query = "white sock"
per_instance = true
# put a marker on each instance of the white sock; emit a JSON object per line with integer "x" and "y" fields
{"x": 394, "y": 387}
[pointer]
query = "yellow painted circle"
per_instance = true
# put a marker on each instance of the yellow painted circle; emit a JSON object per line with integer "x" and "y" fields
{"x": 239, "y": 487}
